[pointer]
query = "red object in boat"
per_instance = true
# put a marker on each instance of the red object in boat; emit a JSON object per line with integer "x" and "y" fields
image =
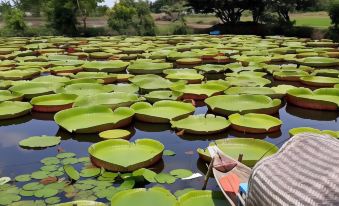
{"x": 230, "y": 183}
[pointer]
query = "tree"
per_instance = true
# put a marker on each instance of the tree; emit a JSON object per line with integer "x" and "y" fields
{"x": 284, "y": 7}
{"x": 229, "y": 11}
{"x": 86, "y": 7}
{"x": 14, "y": 20}
{"x": 61, "y": 16}
{"x": 158, "y": 4}
{"x": 258, "y": 8}
{"x": 176, "y": 11}
{"x": 333, "y": 12}
{"x": 131, "y": 18}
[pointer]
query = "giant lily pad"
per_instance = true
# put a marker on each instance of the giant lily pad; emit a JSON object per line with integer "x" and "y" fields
{"x": 144, "y": 197}
{"x": 290, "y": 75}
{"x": 125, "y": 88}
{"x": 82, "y": 203}
{"x": 83, "y": 89}
{"x": 93, "y": 118}
{"x": 326, "y": 72}
{"x": 247, "y": 81}
{"x": 252, "y": 149}
{"x": 107, "y": 78}
{"x": 211, "y": 68}
{"x": 201, "y": 124}
{"x": 255, "y": 123}
{"x": 35, "y": 89}
{"x": 148, "y": 67}
{"x": 320, "y": 99}
{"x": 105, "y": 66}
{"x": 320, "y": 81}
{"x": 274, "y": 92}
{"x": 6, "y": 95}
{"x": 112, "y": 100}
{"x": 319, "y": 62}
{"x": 123, "y": 156}
{"x": 53, "y": 102}
{"x": 299, "y": 130}
{"x": 9, "y": 110}
{"x": 151, "y": 82}
{"x": 19, "y": 74}
{"x": 115, "y": 134}
{"x": 230, "y": 104}
{"x": 65, "y": 69}
{"x": 156, "y": 96}
{"x": 162, "y": 111}
{"x": 199, "y": 91}
{"x": 189, "y": 75}
{"x": 40, "y": 141}
{"x": 202, "y": 198}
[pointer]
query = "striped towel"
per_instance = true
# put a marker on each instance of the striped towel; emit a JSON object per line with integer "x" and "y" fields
{"x": 305, "y": 171}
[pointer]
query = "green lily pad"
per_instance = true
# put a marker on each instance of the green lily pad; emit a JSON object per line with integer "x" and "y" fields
{"x": 7, "y": 199}
{"x": 105, "y": 66}
{"x": 9, "y": 110}
{"x": 156, "y": 96}
{"x": 202, "y": 198}
{"x": 71, "y": 172}
{"x": 181, "y": 173}
{"x": 33, "y": 186}
{"x": 65, "y": 155}
{"x": 164, "y": 178}
{"x": 53, "y": 200}
{"x": 40, "y": 141}
{"x": 115, "y": 134}
{"x": 23, "y": 178}
{"x": 148, "y": 175}
{"x": 201, "y": 124}
{"x": 90, "y": 172}
{"x": 50, "y": 161}
{"x": 45, "y": 193}
{"x": 39, "y": 175}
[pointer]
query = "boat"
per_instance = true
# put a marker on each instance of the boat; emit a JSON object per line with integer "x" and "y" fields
{"x": 223, "y": 166}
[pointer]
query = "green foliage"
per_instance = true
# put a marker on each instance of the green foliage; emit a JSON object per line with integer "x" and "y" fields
{"x": 333, "y": 12}
{"x": 61, "y": 16}
{"x": 129, "y": 17}
{"x": 14, "y": 20}
{"x": 158, "y": 4}
{"x": 180, "y": 28}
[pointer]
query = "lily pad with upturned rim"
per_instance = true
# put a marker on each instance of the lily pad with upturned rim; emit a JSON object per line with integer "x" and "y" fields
{"x": 111, "y": 100}
{"x": 199, "y": 91}
{"x": 148, "y": 67}
{"x": 40, "y": 141}
{"x": 82, "y": 203}
{"x": 115, "y": 134}
{"x": 202, "y": 124}
{"x": 252, "y": 149}
{"x": 319, "y": 62}
{"x": 245, "y": 81}
{"x": 9, "y": 110}
{"x": 34, "y": 89}
{"x": 144, "y": 197}
{"x": 319, "y": 81}
{"x": 6, "y": 95}
{"x": 156, "y": 96}
{"x": 202, "y": 198}
{"x": 93, "y": 118}
{"x": 162, "y": 111}
{"x": 320, "y": 99}
{"x": 105, "y": 66}
{"x": 243, "y": 104}
{"x": 83, "y": 89}
{"x": 211, "y": 68}
{"x": 122, "y": 156}
{"x": 53, "y": 102}
{"x": 255, "y": 123}
{"x": 189, "y": 75}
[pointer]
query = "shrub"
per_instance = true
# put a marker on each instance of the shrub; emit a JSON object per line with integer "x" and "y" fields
{"x": 333, "y": 12}
{"x": 129, "y": 17}
{"x": 14, "y": 20}
{"x": 180, "y": 28}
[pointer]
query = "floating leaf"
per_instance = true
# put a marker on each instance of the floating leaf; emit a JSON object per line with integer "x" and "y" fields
{"x": 50, "y": 161}
{"x": 26, "y": 193}
{"x": 181, "y": 173}
{"x": 110, "y": 175}
{"x": 65, "y": 155}
{"x": 71, "y": 172}
{"x": 23, "y": 178}
{"x": 49, "y": 168}
{"x": 4, "y": 180}
{"x": 39, "y": 175}
{"x": 40, "y": 141}
{"x": 56, "y": 173}
{"x": 149, "y": 175}
{"x": 84, "y": 159}
{"x": 45, "y": 192}
{"x": 178, "y": 193}
{"x": 56, "y": 185}
{"x": 52, "y": 200}
{"x": 127, "y": 184}
{"x": 164, "y": 178}
{"x": 169, "y": 153}
{"x": 90, "y": 172}
{"x": 6, "y": 199}
{"x": 32, "y": 186}
{"x": 83, "y": 186}
{"x": 70, "y": 160}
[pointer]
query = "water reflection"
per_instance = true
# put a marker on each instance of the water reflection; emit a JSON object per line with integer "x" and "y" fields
{"x": 151, "y": 127}
{"x": 43, "y": 116}
{"x": 319, "y": 115}
{"x": 16, "y": 121}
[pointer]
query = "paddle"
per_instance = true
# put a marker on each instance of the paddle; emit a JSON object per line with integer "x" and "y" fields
{"x": 230, "y": 183}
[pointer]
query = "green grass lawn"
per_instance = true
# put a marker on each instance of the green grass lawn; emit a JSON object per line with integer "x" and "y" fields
{"x": 320, "y": 22}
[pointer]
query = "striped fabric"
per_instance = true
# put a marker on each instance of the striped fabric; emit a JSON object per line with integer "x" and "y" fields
{"x": 305, "y": 171}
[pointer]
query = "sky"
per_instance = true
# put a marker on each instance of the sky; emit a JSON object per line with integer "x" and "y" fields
{"x": 109, "y": 2}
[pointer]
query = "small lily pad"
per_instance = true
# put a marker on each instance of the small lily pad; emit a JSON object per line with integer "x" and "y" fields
{"x": 181, "y": 173}
{"x": 49, "y": 168}
{"x": 32, "y": 186}
{"x": 6, "y": 199}
{"x": 90, "y": 172}
{"x": 164, "y": 178}
{"x": 26, "y": 193}
{"x": 149, "y": 175}
{"x": 23, "y": 178}
{"x": 52, "y": 200}
{"x": 70, "y": 160}
{"x": 168, "y": 153}
{"x": 115, "y": 134}
{"x": 127, "y": 184}
{"x": 40, "y": 175}
{"x": 71, "y": 172}
{"x": 45, "y": 192}
{"x": 50, "y": 161}
{"x": 65, "y": 155}
{"x": 40, "y": 141}
{"x": 178, "y": 193}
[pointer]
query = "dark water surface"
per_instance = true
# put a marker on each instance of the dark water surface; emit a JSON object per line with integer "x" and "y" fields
{"x": 15, "y": 160}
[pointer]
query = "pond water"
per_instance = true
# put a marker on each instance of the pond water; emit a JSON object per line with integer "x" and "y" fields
{"x": 15, "y": 160}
